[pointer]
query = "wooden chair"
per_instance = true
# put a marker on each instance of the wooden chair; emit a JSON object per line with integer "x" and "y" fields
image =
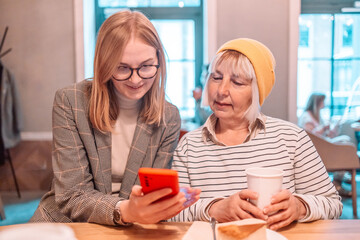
{"x": 182, "y": 133}
{"x": 2, "y": 212}
{"x": 339, "y": 157}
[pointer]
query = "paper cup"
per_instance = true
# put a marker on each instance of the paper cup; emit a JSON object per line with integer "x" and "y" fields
{"x": 266, "y": 182}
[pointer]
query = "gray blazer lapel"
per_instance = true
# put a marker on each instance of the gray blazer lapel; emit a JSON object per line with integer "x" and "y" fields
{"x": 102, "y": 171}
{"x": 136, "y": 157}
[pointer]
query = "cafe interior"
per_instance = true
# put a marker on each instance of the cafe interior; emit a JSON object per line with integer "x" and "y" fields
{"x": 48, "y": 45}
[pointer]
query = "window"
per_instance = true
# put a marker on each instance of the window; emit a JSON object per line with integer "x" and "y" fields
{"x": 304, "y": 35}
{"x": 347, "y": 34}
{"x": 180, "y": 26}
{"x": 330, "y": 62}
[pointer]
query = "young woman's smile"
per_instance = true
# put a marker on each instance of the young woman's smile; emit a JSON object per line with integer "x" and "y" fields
{"x": 136, "y": 54}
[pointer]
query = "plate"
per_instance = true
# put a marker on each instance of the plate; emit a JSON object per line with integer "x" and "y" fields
{"x": 272, "y": 235}
{"x": 38, "y": 231}
{"x": 202, "y": 231}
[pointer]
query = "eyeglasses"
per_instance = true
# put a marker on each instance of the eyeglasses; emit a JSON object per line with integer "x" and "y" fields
{"x": 123, "y": 73}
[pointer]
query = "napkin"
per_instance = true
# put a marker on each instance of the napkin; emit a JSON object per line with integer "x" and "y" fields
{"x": 38, "y": 231}
{"x": 199, "y": 231}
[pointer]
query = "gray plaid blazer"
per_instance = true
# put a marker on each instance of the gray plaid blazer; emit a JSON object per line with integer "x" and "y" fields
{"x": 81, "y": 158}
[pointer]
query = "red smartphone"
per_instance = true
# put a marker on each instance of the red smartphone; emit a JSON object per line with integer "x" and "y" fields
{"x": 152, "y": 179}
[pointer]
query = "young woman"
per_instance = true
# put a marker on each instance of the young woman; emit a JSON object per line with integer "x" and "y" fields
{"x": 238, "y": 136}
{"x": 104, "y": 130}
{"x": 311, "y": 120}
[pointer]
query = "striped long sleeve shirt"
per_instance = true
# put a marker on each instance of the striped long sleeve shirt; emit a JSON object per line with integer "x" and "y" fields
{"x": 219, "y": 170}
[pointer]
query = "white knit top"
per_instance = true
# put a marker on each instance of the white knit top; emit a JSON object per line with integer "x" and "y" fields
{"x": 122, "y": 137}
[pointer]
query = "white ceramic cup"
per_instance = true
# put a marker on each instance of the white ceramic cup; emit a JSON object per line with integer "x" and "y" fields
{"x": 266, "y": 182}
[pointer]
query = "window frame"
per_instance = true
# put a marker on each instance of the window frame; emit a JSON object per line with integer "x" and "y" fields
{"x": 172, "y": 13}
{"x": 330, "y": 7}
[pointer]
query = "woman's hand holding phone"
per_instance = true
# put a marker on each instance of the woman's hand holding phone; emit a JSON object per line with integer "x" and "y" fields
{"x": 158, "y": 198}
{"x": 147, "y": 209}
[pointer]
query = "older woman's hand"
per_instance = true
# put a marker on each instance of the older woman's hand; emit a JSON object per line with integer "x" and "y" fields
{"x": 145, "y": 208}
{"x": 236, "y": 207}
{"x": 288, "y": 208}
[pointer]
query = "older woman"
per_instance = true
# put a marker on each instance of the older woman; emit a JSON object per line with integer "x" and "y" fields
{"x": 238, "y": 136}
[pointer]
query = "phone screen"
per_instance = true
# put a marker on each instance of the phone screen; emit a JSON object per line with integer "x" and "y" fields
{"x": 152, "y": 179}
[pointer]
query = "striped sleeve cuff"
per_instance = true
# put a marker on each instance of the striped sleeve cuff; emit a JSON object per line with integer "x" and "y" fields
{"x": 306, "y": 218}
{"x": 207, "y": 208}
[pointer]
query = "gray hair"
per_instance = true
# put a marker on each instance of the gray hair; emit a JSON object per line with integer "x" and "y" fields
{"x": 241, "y": 65}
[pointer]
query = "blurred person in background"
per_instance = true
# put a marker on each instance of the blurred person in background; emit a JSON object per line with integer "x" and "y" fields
{"x": 311, "y": 121}
{"x": 201, "y": 112}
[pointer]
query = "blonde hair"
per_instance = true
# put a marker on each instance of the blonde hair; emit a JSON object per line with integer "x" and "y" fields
{"x": 240, "y": 65}
{"x": 113, "y": 36}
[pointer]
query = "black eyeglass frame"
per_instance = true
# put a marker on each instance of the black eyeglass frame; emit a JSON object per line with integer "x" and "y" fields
{"x": 137, "y": 71}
